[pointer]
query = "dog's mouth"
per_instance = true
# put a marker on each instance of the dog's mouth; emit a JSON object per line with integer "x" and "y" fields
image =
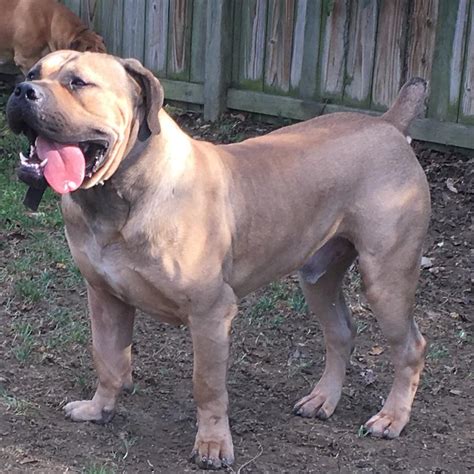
{"x": 65, "y": 166}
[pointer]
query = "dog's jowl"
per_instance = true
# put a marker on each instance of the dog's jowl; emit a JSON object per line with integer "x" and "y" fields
{"x": 182, "y": 229}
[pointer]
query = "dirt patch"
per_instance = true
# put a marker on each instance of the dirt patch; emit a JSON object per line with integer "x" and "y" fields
{"x": 277, "y": 356}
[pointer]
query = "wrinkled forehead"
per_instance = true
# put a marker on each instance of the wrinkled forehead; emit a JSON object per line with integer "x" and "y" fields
{"x": 95, "y": 67}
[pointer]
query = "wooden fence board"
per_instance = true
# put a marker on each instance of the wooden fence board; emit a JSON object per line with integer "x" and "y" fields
{"x": 360, "y": 53}
{"x": 251, "y": 53}
{"x": 336, "y": 15}
{"x": 421, "y": 38}
{"x": 279, "y": 45}
{"x": 446, "y": 76}
{"x": 89, "y": 11}
{"x": 198, "y": 41}
{"x": 74, "y": 5}
{"x": 109, "y": 24}
{"x": 179, "y": 39}
{"x": 304, "y": 65}
{"x": 156, "y": 36}
{"x": 134, "y": 30}
{"x": 389, "y": 52}
{"x": 466, "y": 114}
{"x": 218, "y": 46}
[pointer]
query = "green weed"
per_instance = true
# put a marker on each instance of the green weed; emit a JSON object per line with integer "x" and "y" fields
{"x": 437, "y": 352}
{"x": 24, "y": 341}
{"x": 97, "y": 469}
{"x": 15, "y": 404}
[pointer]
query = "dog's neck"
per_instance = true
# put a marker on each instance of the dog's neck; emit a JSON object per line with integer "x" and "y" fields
{"x": 153, "y": 168}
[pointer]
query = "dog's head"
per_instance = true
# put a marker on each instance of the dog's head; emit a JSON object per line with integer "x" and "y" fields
{"x": 82, "y": 113}
{"x": 88, "y": 40}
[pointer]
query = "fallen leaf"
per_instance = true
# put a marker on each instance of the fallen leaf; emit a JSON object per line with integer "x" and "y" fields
{"x": 426, "y": 262}
{"x": 450, "y": 185}
{"x": 28, "y": 460}
{"x": 376, "y": 351}
{"x": 456, "y": 392}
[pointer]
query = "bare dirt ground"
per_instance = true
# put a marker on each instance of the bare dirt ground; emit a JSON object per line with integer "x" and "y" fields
{"x": 277, "y": 355}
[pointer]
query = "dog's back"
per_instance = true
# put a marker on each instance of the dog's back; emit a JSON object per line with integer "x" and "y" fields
{"x": 30, "y": 29}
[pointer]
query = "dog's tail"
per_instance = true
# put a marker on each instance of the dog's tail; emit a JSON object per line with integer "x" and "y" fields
{"x": 408, "y": 105}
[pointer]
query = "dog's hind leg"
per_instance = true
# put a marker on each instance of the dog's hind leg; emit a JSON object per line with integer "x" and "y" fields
{"x": 321, "y": 280}
{"x": 390, "y": 279}
{"x": 112, "y": 328}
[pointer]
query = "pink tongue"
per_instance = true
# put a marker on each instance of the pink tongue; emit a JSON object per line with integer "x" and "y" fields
{"x": 66, "y": 165}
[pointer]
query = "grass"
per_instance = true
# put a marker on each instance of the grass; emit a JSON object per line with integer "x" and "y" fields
{"x": 437, "y": 351}
{"x": 36, "y": 267}
{"x": 98, "y": 469}
{"x": 15, "y": 404}
{"x": 279, "y": 298}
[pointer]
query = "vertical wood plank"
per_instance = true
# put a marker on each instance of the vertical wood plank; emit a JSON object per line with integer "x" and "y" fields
{"x": 89, "y": 11}
{"x": 279, "y": 45}
{"x": 198, "y": 39}
{"x": 73, "y": 5}
{"x": 217, "y": 60}
{"x": 110, "y": 24}
{"x": 333, "y": 58}
{"x": 467, "y": 100}
{"x": 134, "y": 29}
{"x": 446, "y": 76}
{"x": 252, "y": 43}
{"x": 179, "y": 39}
{"x": 237, "y": 27}
{"x": 422, "y": 36}
{"x": 304, "y": 64}
{"x": 361, "y": 53}
{"x": 156, "y": 36}
{"x": 389, "y": 52}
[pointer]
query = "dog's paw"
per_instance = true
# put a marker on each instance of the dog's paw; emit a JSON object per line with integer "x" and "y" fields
{"x": 213, "y": 454}
{"x": 318, "y": 403}
{"x": 88, "y": 410}
{"x": 386, "y": 424}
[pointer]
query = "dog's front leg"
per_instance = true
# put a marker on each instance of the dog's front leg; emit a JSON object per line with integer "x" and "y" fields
{"x": 211, "y": 340}
{"x": 112, "y": 327}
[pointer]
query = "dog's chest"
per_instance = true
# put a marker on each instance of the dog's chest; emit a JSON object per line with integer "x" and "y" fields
{"x": 124, "y": 269}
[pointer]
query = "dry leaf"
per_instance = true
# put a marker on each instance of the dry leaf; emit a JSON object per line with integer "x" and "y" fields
{"x": 450, "y": 185}
{"x": 376, "y": 351}
{"x": 426, "y": 262}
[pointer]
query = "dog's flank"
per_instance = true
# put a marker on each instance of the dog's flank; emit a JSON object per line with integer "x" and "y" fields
{"x": 183, "y": 228}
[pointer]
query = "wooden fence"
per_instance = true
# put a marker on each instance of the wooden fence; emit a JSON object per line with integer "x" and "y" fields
{"x": 301, "y": 58}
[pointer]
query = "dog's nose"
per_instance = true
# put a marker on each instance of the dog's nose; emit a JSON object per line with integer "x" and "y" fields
{"x": 28, "y": 91}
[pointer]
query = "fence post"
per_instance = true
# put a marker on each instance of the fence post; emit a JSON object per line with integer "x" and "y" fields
{"x": 218, "y": 57}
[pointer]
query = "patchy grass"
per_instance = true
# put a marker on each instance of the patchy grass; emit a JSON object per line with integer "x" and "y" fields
{"x": 277, "y": 300}
{"x": 36, "y": 268}
{"x": 15, "y": 404}
{"x": 98, "y": 469}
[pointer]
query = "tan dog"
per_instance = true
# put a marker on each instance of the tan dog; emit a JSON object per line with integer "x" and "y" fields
{"x": 182, "y": 228}
{"x": 30, "y": 29}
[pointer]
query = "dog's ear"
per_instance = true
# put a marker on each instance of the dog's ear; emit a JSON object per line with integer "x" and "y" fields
{"x": 152, "y": 92}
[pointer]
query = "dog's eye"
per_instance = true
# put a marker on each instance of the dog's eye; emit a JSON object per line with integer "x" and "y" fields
{"x": 77, "y": 82}
{"x": 30, "y": 76}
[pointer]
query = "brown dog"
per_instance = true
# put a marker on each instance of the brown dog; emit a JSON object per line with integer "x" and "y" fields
{"x": 182, "y": 228}
{"x": 30, "y": 29}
